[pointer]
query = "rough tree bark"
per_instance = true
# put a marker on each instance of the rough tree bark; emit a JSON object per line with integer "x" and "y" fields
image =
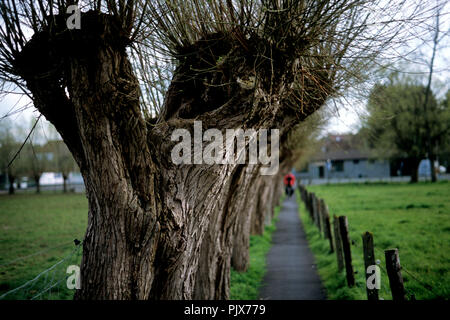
{"x": 156, "y": 230}
{"x": 233, "y": 242}
{"x": 252, "y": 216}
{"x": 241, "y": 240}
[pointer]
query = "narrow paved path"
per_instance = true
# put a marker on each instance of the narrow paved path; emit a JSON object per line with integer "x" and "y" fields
{"x": 291, "y": 272}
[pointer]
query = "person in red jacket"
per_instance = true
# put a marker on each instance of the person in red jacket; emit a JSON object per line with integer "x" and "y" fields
{"x": 289, "y": 181}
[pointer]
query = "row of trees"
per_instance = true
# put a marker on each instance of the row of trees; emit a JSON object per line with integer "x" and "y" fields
{"x": 30, "y": 155}
{"x": 158, "y": 230}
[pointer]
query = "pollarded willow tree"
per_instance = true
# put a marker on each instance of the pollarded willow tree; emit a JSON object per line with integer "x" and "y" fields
{"x": 158, "y": 230}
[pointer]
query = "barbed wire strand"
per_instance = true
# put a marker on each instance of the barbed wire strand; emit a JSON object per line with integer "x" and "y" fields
{"x": 50, "y": 284}
{"x": 414, "y": 277}
{"x": 47, "y": 289}
{"x": 383, "y": 268}
{"x": 35, "y": 254}
{"x": 46, "y": 271}
{"x": 422, "y": 283}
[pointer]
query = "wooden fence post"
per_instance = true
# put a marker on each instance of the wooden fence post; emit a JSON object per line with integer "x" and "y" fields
{"x": 319, "y": 215}
{"x": 302, "y": 192}
{"x": 369, "y": 260}
{"x": 310, "y": 205}
{"x": 314, "y": 207}
{"x": 308, "y": 202}
{"x": 338, "y": 244}
{"x": 326, "y": 224}
{"x": 322, "y": 217}
{"x": 343, "y": 227}
{"x": 394, "y": 272}
{"x": 328, "y": 227}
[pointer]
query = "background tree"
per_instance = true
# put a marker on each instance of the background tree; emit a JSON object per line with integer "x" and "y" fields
{"x": 159, "y": 230}
{"x": 443, "y": 150}
{"x": 62, "y": 159}
{"x": 396, "y": 123}
{"x": 10, "y": 144}
{"x": 34, "y": 159}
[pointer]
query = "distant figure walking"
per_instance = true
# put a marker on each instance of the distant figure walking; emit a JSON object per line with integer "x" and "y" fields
{"x": 289, "y": 181}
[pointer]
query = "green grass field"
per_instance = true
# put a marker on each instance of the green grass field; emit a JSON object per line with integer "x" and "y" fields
{"x": 34, "y": 225}
{"x": 415, "y": 218}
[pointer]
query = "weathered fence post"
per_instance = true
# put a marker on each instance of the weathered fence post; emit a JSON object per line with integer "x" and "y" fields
{"x": 322, "y": 217}
{"x": 326, "y": 224}
{"x": 319, "y": 215}
{"x": 307, "y": 200}
{"x": 314, "y": 207}
{"x": 310, "y": 205}
{"x": 302, "y": 192}
{"x": 394, "y": 272}
{"x": 338, "y": 244}
{"x": 343, "y": 227}
{"x": 369, "y": 260}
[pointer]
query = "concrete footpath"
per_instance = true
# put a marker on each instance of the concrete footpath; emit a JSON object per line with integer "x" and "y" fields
{"x": 291, "y": 272}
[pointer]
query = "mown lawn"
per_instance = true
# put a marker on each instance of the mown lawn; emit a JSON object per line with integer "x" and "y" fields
{"x": 415, "y": 218}
{"x": 36, "y": 232}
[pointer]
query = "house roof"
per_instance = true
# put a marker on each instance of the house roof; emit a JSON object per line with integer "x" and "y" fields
{"x": 341, "y": 147}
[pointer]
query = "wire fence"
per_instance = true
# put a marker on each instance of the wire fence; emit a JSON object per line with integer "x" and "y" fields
{"x": 66, "y": 244}
{"x": 384, "y": 291}
{"x": 49, "y": 284}
{"x": 412, "y": 276}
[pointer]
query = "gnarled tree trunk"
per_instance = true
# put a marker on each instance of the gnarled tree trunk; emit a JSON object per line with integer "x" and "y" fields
{"x": 251, "y": 211}
{"x": 157, "y": 230}
{"x": 247, "y": 207}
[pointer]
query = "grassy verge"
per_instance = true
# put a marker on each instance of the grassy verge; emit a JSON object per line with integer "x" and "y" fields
{"x": 37, "y": 231}
{"x": 246, "y": 285}
{"x": 413, "y": 218}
